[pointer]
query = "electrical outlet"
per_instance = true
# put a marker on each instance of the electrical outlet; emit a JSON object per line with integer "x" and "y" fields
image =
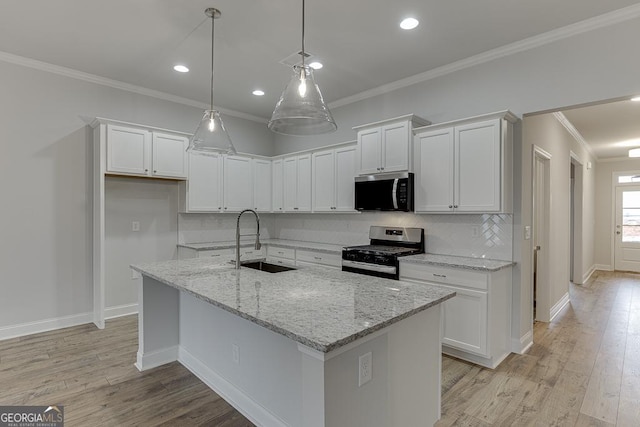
{"x": 135, "y": 226}
{"x": 474, "y": 232}
{"x": 364, "y": 369}
{"x": 235, "y": 353}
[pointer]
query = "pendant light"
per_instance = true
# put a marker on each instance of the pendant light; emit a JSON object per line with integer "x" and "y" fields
{"x": 301, "y": 109}
{"x": 211, "y": 135}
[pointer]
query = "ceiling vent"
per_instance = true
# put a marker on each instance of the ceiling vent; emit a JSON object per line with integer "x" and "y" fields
{"x": 295, "y": 59}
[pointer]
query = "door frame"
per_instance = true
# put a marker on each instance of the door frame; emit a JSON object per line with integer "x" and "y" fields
{"x": 614, "y": 185}
{"x": 576, "y": 221}
{"x": 541, "y": 296}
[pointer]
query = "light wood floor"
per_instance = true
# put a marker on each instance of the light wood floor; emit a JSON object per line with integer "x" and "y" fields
{"x": 583, "y": 370}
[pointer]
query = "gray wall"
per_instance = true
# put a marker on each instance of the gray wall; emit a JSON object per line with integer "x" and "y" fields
{"x": 45, "y": 182}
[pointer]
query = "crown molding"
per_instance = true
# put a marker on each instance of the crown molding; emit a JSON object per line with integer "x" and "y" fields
{"x": 619, "y": 159}
{"x": 604, "y": 20}
{"x": 574, "y": 132}
{"x": 103, "y": 81}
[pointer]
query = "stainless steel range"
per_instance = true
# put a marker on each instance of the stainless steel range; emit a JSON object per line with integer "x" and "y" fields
{"x": 380, "y": 258}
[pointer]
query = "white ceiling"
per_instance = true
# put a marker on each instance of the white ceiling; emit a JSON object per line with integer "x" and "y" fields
{"x": 138, "y": 41}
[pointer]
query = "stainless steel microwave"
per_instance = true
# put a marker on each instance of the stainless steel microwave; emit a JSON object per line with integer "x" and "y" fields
{"x": 384, "y": 192}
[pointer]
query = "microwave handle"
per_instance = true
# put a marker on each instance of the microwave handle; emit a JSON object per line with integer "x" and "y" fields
{"x": 394, "y": 193}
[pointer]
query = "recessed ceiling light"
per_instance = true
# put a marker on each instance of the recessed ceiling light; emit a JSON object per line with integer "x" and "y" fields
{"x": 181, "y": 69}
{"x": 258, "y": 92}
{"x": 409, "y": 23}
{"x": 636, "y": 99}
{"x": 316, "y": 65}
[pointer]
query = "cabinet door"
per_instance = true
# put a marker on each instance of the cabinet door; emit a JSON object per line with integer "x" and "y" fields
{"x": 434, "y": 171}
{"x": 323, "y": 181}
{"x": 303, "y": 192}
{"x": 204, "y": 187}
{"x": 277, "y": 190}
{"x": 128, "y": 150}
{"x": 169, "y": 155}
{"x": 262, "y": 185}
{"x": 477, "y": 166}
{"x": 290, "y": 188}
{"x": 464, "y": 321}
{"x": 369, "y": 149}
{"x": 395, "y": 147}
{"x": 238, "y": 184}
{"x": 345, "y": 173}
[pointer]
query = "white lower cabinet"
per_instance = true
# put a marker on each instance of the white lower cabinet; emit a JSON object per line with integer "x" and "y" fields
{"x": 476, "y": 323}
{"x": 304, "y": 256}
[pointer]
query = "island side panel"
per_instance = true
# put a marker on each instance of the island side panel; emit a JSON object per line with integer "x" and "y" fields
{"x": 158, "y": 324}
{"x": 262, "y": 378}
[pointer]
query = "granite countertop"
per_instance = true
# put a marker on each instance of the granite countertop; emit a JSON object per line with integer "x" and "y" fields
{"x": 319, "y": 307}
{"x": 292, "y": 244}
{"x": 480, "y": 264}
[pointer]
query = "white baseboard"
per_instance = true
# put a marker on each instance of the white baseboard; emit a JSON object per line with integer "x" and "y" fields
{"x": 156, "y": 358}
{"x": 586, "y": 276}
{"x": 120, "y": 310}
{"x": 251, "y": 409}
{"x": 523, "y": 344}
{"x": 558, "y": 306}
{"x": 603, "y": 267}
{"x": 29, "y": 328}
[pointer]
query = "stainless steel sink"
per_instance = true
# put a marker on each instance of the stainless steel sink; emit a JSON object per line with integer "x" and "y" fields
{"x": 265, "y": 266}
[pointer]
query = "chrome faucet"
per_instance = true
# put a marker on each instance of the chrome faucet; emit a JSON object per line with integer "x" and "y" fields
{"x": 257, "y": 234}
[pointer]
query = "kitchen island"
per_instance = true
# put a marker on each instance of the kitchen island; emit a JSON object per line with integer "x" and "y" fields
{"x": 306, "y": 347}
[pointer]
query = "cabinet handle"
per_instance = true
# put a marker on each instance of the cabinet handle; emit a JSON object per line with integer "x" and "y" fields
{"x": 381, "y": 169}
{"x": 214, "y": 255}
{"x": 455, "y": 206}
{"x": 155, "y": 171}
{"x": 317, "y": 257}
{"x": 440, "y": 275}
{"x": 225, "y": 208}
{"x": 295, "y": 209}
{"x": 450, "y": 206}
{"x": 146, "y": 170}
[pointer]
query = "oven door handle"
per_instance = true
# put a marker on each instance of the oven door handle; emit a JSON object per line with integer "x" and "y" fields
{"x": 369, "y": 267}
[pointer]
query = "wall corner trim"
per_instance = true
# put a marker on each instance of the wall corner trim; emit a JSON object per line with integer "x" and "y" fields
{"x": 557, "y": 307}
{"x": 523, "y": 344}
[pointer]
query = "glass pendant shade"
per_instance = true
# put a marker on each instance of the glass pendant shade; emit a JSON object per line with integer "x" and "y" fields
{"x": 301, "y": 109}
{"x": 211, "y": 135}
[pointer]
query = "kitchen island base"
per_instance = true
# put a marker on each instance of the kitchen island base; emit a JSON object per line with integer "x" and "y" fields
{"x": 275, "y": 381}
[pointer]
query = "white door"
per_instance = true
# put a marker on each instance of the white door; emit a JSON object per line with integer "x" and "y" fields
{"x": 277, "y": 201}
{"x": 369, "y": 147}
{"x": 303, "y": 192}
{"x": 345, "y": 174}
{"x": 477, "y": 167}
{"x": 128, "y": 150}
{"x": 395, "y": 147}
{"x": 627, "y": 229}
{"x": 238, "y": 184}
{"x": 323, "y": 181}
{"x": 204, "y": 187}
{"x": 289, "y": 181}
{"x": 169, "y": 155}
{"x": 262, "y": 185}
{"x": 434, "y": 171}
{"x": 541, "y": 214}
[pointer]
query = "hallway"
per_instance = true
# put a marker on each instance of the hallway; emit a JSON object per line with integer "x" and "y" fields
{"x": 583, "y": 369}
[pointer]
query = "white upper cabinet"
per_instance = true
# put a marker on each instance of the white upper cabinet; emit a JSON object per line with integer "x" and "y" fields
{"x": 136, "y": 151}
{"x": 297, "y": 183}
{"x": 262, "y": 186}
{"x": 204, "y": 187}
{"x": 385, "y": 146}
{"x": 465, "y": 166}
{"x": 238, "y": 184}
{"x": 333, "y": 179}
{"x": 169, "y": 157}
{"x": 277, "y": 182}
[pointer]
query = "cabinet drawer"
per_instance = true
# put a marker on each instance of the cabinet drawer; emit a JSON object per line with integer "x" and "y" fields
{"x": 216, "y": 253}
{"x": 250, "y": 253}
{"x": 447, "y": 276}
{"x": 334, "y": 260}
{"x": 281, "y": 261}
{"x": 274, "y": 251}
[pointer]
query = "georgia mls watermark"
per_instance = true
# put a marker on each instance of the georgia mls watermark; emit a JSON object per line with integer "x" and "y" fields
{"x": 31, "y": 416}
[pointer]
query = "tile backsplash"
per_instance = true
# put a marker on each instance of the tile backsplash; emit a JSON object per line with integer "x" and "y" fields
{"x": 479, "y": 236}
